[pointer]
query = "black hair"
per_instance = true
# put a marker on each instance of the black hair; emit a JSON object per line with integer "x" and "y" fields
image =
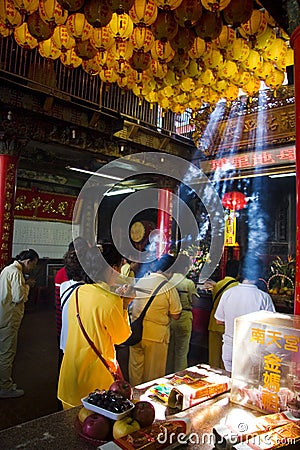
{"x": 94, "y": 265}
{"x": 27, "y": 254}
{"x": 232, "y": 268}
{"x": 73, "y": 267}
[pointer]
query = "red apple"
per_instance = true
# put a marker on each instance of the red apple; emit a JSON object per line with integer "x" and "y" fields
{"x": 144, "y": 413}
{"x": 96, "y": 426}
{"x": 123, "y": 388}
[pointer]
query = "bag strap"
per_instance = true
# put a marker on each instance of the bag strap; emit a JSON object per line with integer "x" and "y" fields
{"x": 67, "y": 293}
{"x": 114, "y": 373}
{"x": 153, "y": 295}
{"x": 220, "y": 291}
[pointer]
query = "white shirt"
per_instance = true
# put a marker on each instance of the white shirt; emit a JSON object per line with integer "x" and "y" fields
{"x": 238, "y": 301}
{"x": 64, "y": 315}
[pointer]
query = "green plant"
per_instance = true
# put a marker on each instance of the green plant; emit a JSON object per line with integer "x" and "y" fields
{"x": 282, "y": 276}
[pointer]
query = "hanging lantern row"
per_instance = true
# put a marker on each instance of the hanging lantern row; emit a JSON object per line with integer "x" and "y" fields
{"x": 177, "y": 53}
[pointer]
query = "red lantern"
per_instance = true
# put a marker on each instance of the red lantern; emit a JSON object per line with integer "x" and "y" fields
{"x": 38, "y": 28}
{"x": 209, "y": 26}
{"x": 238, "y": 12}
{"x": 234, "y": 200}
{"x": 140, "y": 61}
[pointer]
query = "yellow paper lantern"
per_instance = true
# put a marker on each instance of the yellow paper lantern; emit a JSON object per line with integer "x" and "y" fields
{"x": 24, "y": 38}
{"x": 209, "y": 26}
{"x": 157, "y": 69}
{"x": 165, "y": 27}
{"x": 287, "y": 60}
{"x": 266, "y": 39}
{"x": 212, "y": 97}
{"x": 121, "y": 26}
{"x": 102, "y": 38}
{"x": 143, "y": 12}
{"x": 167, "y": 4}
{"x": 97, "y": 13}
{"x": 9, "y": 15}
{"x": 170, "y": 78}
{"x": 199, "y": 48}
{"x": 215, "y": 5}
{"x": 26, "y": 7}
{"x": 52, "y": 12}
{"x": 252, "y": 87}
{"x": 198, "y": 93}
{"x": 264, "y": 70}
{"x": 215, "y": 60}
{"x": 140, "y": 61}
{"x": 275, "y": 79}
{"x": 93, "y": 66}
{"x": 187, "y": 85}
{"x": 164, "y": 103}
{"x": 108, "y": 75}
{"x": 226, "y": 38}
{"x": 71, "y": 5}
{"x": 142, "y": 38}
{"x": 193, "y": 70}
{"x": 162, "y": 52}
{"x": 229, "y": 70}
{"x": 238, "y": 51}
{"x": 70, "y": 60}
{"x": 47, "y": 49}
{"x": 270, "y": 19}
{"x": 120, "y": 6}
{"x": 253, "y": 62}
{"x": 85, "y": 50}
{"x": 220, "y": 86}
{"x": 4, "y": 30}
{"x": 276, "y": 50}
{"x": 188, "y": 12}
{"x": 241, "y": 78}
{"x": 238, "y": 12}
{"x": 78, "y": 27}
{"x": 62, "y": 39}
{"x": 207, "y": 78}
{"x": 38, "y": 28}
{"x": 122, "y": 50}
{"x": 183, "y": 41}
{"x": 231, "y": 93}
{"x": 255, "y": 26}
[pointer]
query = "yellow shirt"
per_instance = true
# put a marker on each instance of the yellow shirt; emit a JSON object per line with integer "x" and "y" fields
{"x": 106, "y": 323}
{"x": 213, "y": 326}
{"x": 156, "y": 322}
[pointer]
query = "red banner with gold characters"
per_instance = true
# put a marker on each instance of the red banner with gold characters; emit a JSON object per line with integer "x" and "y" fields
{"x": 8, "y": 170}
{"x": 38, "y": 205}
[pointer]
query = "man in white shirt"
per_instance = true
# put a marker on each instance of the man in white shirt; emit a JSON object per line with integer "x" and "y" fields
{"x": 239, "y": 300}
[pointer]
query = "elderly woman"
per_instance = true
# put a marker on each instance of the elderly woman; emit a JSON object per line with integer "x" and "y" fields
{"x": 104, "y": 319}
{"x": 14, "y": 290}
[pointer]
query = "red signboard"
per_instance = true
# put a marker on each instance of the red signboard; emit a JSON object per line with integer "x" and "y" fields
{"x": 38, "y": 205}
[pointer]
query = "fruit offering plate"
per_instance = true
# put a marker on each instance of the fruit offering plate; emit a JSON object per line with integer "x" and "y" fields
{"x": 78, "y": 428}
{"x": 106, "y": 412}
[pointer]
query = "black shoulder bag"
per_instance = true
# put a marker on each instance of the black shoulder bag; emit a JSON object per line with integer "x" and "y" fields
{"x": 67, "y": 293}
{"x": 137, "y": 325}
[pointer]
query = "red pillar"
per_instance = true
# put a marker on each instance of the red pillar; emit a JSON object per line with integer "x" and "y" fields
{"x": 164, "y": 220}
{"x": 8, "y": 171}
{"x": 295, "y": 43}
